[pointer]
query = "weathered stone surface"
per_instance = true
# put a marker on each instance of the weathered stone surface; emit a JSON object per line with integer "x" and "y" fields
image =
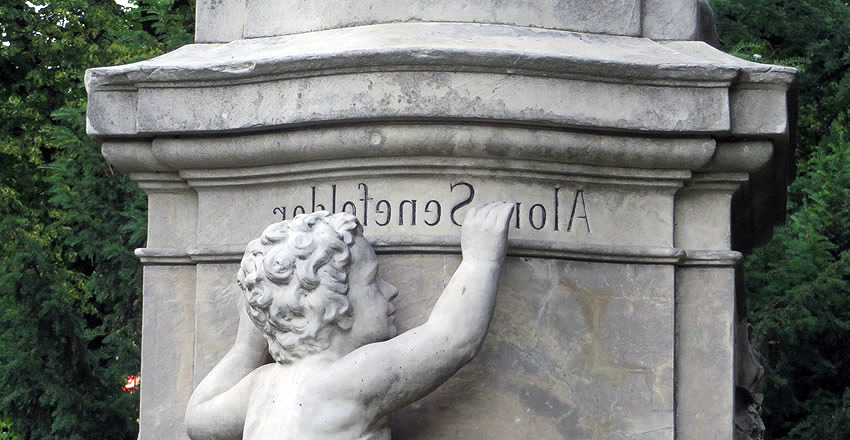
{"x": 667, "y": 159}
{"x": 215, "y": 315}
{"x": 269, "y": 18}
{"x": 671, "y": 19}
{"x": 521, "y": 49}
{"x": 572, "y": 353}
{"x": 575, "y": 349}
{"x": 111, "y": 112}
{"x": 433, "y": 95}
{"x": 423, "y": 199}
{"x": 703, "y": 218}
{"x": 705, "y": 354}
{"x": 437, "y": 71}
{"x": 412, "y": 139}
{"x": 223, "y": 21}
{"x": 167, "y": 350}
{"x": 219, "y": 20}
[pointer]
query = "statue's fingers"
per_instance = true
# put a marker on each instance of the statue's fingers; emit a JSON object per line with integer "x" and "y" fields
{"x": 505, "y": 211}
{"x": 493, "y": 213}
{"x": 483, "y": 212}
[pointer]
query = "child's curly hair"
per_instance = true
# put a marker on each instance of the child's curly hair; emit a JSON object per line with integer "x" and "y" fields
{"x": 315, "y": 249}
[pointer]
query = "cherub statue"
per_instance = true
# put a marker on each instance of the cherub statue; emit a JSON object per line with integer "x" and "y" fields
{"x": 314, "y": 301}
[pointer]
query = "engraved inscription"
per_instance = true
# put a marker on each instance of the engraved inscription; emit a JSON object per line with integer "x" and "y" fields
{"x": 559, "y": 210}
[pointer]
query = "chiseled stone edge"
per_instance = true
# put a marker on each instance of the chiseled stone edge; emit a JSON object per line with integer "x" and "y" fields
{"x": 163, "y": 256}
{"x": 451, "y": 245}
{"x": 343, "y": 60}
{"x": 168, "y": 154}
{"x": 443, "y": 95}
{"x": 534, "y": 248}
{"x": 159, "y": 182}
{"x": 461, "y": 46}
{"x": 434, "y": 166}
{"x": 719, "y": 93}
{"x": 750, "y": 72}
{"x": 711, "y": 258}
{"x": 412, "y": 139}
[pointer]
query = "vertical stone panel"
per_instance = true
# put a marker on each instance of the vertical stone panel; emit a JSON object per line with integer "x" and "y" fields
{"x": 576, "y": 350}
{"x": 167, "y": 347}
{"x": 219, "y": 21}
{"x": 705, "y": 360}
{"x": 757, "y": 110}
{"x": 670, "y": 19}
{"x": 111, "y": 111}
{"x": 168, "y": 307}
{"x": 216, "y": 315}
{"x": 172, "y": 217}
{"x": 703, "y": 219}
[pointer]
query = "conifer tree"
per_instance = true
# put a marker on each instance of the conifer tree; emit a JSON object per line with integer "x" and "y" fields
{"x": 797, "y": 286}
{"x": 70, "y": 288}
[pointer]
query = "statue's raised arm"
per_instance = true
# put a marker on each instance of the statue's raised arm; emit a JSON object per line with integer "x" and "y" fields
{"x": 311, "y": 288}
{"x": 396, "y": 372}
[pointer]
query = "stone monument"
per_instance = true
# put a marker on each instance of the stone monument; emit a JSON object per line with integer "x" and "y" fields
{"x": 639, "y": 162}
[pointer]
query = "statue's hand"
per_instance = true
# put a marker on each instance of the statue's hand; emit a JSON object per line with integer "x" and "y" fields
{"x": 484, "y": 236}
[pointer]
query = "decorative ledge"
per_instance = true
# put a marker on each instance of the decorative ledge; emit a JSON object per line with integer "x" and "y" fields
{"x": 451, "y": 245}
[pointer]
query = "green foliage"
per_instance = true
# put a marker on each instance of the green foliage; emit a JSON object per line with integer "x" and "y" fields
{"x": 813, "y": 35}
{"x": 5, "y": 431}
{"x": 761, "y": 52}
{"x": 69, "y": 285}
{"x": 800, "y": 301}
{"x": 799, "y": 284}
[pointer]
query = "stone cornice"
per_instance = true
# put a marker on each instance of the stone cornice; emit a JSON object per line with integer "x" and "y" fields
{"x": 463, "y": 46}
{"x": 408, "y": 71}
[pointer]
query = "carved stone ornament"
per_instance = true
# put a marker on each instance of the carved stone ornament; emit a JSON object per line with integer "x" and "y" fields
{"x": 313, "y": 300}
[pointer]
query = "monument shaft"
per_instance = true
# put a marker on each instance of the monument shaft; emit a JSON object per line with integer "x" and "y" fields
{"x": 641, "y": 164}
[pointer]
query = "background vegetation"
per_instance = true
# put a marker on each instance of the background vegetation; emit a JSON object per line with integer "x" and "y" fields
{"x": 798, "y": 294}
{"x": 70, "y": 286}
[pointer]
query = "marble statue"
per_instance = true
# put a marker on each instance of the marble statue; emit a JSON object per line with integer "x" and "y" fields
{"x": 313, "y": 300}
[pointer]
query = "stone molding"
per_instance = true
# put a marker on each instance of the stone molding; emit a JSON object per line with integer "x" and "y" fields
{"x": 408, "y": 139}
{"x": 411, "y": 71}
{"x": 217, "y": 254}
{"x": 195, "y": 163}
{"x": 430, "y": 165}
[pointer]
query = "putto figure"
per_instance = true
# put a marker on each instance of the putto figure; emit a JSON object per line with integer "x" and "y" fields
{"x": 314, "y": 301}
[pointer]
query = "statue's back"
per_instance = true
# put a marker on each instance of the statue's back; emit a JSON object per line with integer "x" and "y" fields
{"x": 284, "y": 406}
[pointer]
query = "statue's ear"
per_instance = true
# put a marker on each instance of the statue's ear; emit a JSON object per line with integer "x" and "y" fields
{"x": 345, "y": 322}
{"x": 337, "y": 309}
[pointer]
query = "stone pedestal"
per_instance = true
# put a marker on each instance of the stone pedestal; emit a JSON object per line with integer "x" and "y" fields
{"x": 641, "y": 170}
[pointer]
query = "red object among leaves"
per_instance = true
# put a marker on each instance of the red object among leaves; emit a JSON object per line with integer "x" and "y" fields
{"x": 132, "y": 384}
